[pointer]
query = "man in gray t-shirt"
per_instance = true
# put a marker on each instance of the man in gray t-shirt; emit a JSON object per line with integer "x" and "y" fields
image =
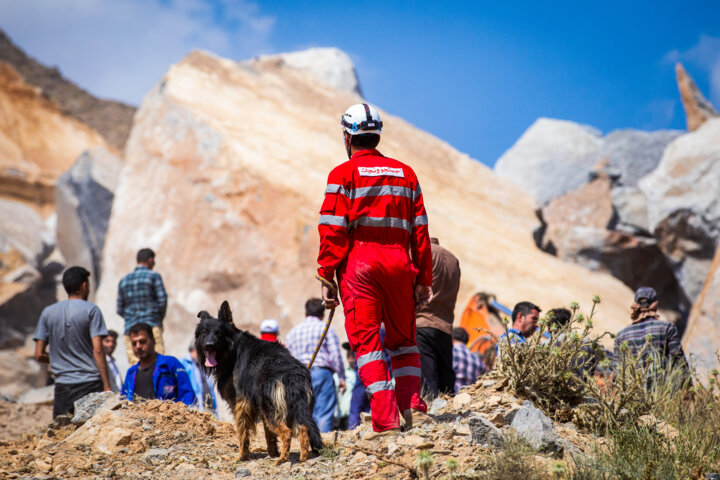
{"x": 73, "y": 330}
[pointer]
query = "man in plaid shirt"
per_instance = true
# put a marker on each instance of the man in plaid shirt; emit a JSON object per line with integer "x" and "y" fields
{"x": 664, "y": 342}
{"x": 301, "y": 342}
{"x": 142, "y": 299}
{"x": 468, "y": 366}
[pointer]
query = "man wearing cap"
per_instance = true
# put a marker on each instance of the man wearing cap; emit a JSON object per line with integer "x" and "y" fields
{"x": 301, "y": 342}
{"x": 269, "y": 330}
{"x": 663, "y": 336}
{"x": 374, "y": 237}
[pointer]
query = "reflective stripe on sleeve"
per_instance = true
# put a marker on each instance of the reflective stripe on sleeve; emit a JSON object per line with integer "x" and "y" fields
{"x": 363, "y": 360}
{"x": 336, "y": 220}
{"x": 406, "y": 372}
{"x": 417, "y": 193}
{"x": 403, "y": 351}
{"x": 391, "y": 222}
{"x": 379, "y": 387}
{"x": 335, "y": 188}
{"x": 420, "y": 220}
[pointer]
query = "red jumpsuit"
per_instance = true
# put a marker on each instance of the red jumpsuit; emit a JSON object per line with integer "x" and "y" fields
{"x": 374, "y": 236}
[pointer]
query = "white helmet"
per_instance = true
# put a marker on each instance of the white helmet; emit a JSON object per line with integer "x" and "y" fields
{"x": 361, "y": 118}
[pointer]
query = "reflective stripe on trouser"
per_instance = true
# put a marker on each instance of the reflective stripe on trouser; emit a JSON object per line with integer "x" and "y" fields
{"x": 376, "y": 287}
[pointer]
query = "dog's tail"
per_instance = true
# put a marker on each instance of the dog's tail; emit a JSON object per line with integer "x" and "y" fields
{"x": 304, "y": 402}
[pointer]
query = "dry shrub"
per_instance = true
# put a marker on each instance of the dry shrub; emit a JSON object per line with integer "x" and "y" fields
{"x": 551, "y": 368}
{"x": 659, "y": 425}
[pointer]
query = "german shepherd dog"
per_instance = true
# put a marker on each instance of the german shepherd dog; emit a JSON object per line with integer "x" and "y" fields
{"x": 260, "y": 381}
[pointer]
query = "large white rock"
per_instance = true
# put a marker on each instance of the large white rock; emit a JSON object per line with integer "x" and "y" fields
{"x": 702, "y": 337}
{"x": 552, "y": 157}
{"x": 330, "y": 65}
{"x": 684, "y": 203}
{"x": 229, "y": 196}
{"x": 83, "y": 201}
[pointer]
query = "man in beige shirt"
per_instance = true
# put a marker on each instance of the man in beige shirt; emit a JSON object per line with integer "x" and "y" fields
{"x": 434, "y": 324}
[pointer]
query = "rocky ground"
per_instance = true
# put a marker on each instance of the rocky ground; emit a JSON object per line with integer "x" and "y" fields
{"x": 167, "y": 440}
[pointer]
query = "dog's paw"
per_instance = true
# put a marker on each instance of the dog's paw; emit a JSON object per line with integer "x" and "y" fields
{"x": 242, "y": 457}
{"x": 273, "y": 453}
{"x": 282, "y": 460}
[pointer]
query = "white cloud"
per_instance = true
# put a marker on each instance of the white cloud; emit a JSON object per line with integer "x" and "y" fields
{"x": 705, "y": 55}
{"x": 120, "y": 48}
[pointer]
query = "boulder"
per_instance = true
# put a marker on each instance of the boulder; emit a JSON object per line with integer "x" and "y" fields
{"x": 93, "y": 404}
{"x": 632, "y": 154}
{"x": 579, "y": 227}
{"x": 536, "y": 428}
{"x": 631, "y": 210}
{"x": 697, "y": 109}
{"x": 83, "y": 201}
{"x": 234, "y": 210}
{"x": 684, "y": 205}
{"x": 106, "y": 432}
{"x": 702, "y": 337}
{"x": 551, "y": 158}
{"x": 24, "y": 231}
{"x": 38, "y": 396}
{"x": 484, "y": 432}
{"x": 328, "y": 65}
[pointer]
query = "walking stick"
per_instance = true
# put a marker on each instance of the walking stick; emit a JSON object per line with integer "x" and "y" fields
{"x": 327, "y": 324}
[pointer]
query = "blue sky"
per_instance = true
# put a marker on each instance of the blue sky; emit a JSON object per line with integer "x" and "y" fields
{"x": 475, "y": 74}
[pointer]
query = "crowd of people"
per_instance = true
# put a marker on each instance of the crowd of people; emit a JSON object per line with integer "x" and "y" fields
{"x": 397, "y": 286}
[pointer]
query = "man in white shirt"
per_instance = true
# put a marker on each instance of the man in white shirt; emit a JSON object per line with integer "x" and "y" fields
{"x": 109, "y": 343}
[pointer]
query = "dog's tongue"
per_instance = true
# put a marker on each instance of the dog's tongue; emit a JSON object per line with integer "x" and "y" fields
{"x": 210, "y": 359}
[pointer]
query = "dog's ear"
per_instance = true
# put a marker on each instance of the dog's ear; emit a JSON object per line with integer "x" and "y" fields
{"x": 204, "y": 315}
{"x": 225, "y": 315}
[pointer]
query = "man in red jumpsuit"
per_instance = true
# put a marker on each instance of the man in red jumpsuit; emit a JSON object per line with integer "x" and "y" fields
{"x": 374, "y": 237}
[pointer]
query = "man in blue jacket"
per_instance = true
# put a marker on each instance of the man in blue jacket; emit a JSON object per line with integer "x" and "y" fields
{"x": 155, "y": 375}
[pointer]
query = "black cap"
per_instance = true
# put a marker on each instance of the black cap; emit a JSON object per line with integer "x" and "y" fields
{"x": 647, "y": 293}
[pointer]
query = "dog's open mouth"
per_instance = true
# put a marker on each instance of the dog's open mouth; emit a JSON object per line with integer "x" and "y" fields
{"x": 210, "y": 358}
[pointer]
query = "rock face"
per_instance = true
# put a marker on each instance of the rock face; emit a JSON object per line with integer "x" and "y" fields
{"x": 552, "y": 157}
{"x": 37, "y": 142}
{"x": 235, "y": 197}
{"x": 26, "y": 270}
{"x": 702, "y": 337}
{"x": 329, "y": 65}
{"x": 580, "y": 227}
{"x": 697, "y": 108}
{"x": 684, "y": 205}
{"x": 111, "y": 119}
{"x": 83, "y": 201}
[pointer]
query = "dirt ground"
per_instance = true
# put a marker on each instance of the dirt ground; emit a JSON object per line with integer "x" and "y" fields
{"x": 158, "y": 439}
{"x": 17, "y": 419}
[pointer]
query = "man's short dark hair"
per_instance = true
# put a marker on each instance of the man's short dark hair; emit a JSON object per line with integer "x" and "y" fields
{"x": 112, "y": 333}
{"x": 460, "y": 334}
{"x": 144, "y": 255}
{"x": 524, "y": 308}
{"x": 365, "y": 141}
{"x": 141, "y": 327}
{"x": 314, "y": 308}
{"x": 73, "y": 278}
{"x": 560, "y": 316}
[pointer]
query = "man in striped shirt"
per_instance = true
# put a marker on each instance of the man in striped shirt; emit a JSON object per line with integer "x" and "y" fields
{"x": 301, "y": 341}
{"x": 663, "y": 336}
{"x": 374, "y": 237}
{"x": 468, "y": 366}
